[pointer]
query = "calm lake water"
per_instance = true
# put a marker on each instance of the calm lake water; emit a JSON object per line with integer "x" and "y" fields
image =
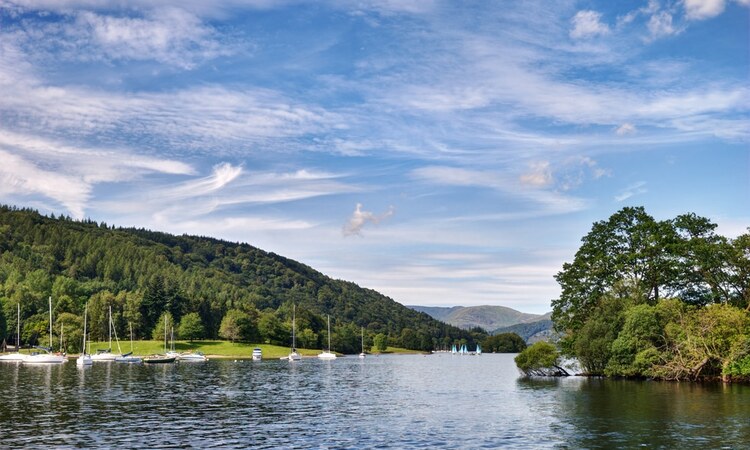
{"x": 437, "y": 401}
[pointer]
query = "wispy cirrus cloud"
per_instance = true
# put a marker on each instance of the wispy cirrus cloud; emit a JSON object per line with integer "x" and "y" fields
{"x": 34, "y": 166}
{"x": 634, "y": 189}
{"x": 196, "y": 117}
{"x": 542, "y": 201}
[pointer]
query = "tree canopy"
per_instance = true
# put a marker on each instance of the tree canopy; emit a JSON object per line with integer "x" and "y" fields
{"x": 662, "y": 299}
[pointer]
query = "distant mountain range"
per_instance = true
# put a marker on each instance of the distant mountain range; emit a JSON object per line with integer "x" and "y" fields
{"x": 495, "y": 319}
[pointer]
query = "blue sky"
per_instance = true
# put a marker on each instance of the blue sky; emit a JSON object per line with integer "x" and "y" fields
{"x": 442, "y": 153}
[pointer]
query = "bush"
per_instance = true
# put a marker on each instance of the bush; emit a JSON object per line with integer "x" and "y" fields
{"x": 541, "y": 359}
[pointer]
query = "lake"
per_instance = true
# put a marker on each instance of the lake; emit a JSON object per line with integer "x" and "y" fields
{"x": 395, "y": 401}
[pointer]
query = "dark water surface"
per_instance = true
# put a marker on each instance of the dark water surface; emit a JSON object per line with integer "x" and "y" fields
{"x": 437, "y": 401}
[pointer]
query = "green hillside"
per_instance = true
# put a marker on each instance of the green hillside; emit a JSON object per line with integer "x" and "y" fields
{"x": 486, "y": 317}
{"x": 145, "y": 275}
{"x": 531, "y": 331}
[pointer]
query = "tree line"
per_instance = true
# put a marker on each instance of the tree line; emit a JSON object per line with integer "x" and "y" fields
{"x": 656, "y": 299}
{"x": 206, "y": 288}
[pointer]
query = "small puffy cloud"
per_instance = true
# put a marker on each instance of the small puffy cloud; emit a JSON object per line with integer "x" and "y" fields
{"x": 703, "y": 9}
{"x": 361, "y": 218}
{"x": 540, "y": 175}
{"x": 660, "y": 24}
{"x": 625, "y": 129}
{"x": 588, "y": 24}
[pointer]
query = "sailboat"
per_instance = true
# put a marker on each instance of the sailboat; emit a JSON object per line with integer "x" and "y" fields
{"x": 453, "y": 349}
{"x": 17, "y": 356}
{"x": 479, "y": 350}
{"x": 362, "y": 354}
{"x": 172, "y": 352}
{"x": 48, "y": 357}
{"x": 128, "y": 357}
{"x": 327, "y": 354}
{"x": 161, "y": 359}
{"x": 85, "y": 359}
{"x": 107, "y": 355}
{"x": 294, "y": 356}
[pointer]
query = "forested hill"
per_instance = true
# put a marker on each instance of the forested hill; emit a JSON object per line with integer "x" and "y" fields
{"x": 487, "y": 317}
{"x": 144, "y": 274}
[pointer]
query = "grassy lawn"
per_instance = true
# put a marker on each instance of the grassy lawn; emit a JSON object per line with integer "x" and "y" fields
{"x": 223, "y": 349}
{"x": 217, "y": 349}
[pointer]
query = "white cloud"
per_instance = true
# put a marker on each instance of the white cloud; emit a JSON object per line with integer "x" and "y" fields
{"x": 703, "y": 9}
{"x": 541, "y": 201}
{"x": 221, "y": 175}
{"x": 632, "y": 190}
{"x": 168, "y": 35}
{"x": 588, "y": 24}
{"x": 660, "y": 24}
{"x": 625, "y": 129}
{"x": 23, "y": 177}
{"x": 68, "y": 174}
{"x": 361, "y": 218}
{"x": 539, "y": 175}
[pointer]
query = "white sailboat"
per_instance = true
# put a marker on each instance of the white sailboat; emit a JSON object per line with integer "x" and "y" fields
{"x": 363, "y": 354}
{"x": 172, "y": 353}
{"x": 85, "y": 359}
{"x": 48, "y": 357}
{"x": 107, "y": 355}
{"x": 17, "y": 356}
{"x": 161, "y": 359}
{"x": 294, "y": 355}
{"x": 128, "y": 357}
{"x": 327, "y": 354}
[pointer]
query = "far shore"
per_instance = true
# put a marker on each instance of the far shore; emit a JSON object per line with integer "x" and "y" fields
{"x": 214, "y": 349}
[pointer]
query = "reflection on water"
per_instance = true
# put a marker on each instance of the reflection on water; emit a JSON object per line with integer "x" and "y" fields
{"x": 438, "y": 401}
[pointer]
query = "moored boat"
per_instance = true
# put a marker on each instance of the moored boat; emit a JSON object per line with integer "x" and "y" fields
{"x": 193, "y": 357}
{"x": 17, "y": 356}
{"x": 47, "y": 357}
{"x": 159, "y": 359}
{"x": 328, "y": 354}
{"x": 257, "y": 354}
{"x": 85, "y": 359}
{"x": 294, "y": 355}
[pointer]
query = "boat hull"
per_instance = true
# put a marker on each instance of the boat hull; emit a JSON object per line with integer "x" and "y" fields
{"x": 160, "y": 360}
{"x": 45, "y": 359}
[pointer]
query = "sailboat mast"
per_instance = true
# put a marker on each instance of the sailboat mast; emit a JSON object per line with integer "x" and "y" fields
{"x": 294, "y": 318}
{"x": 85, "y": 316}
{"x": 329, "y": 333}
{"x": 18, "y": 329}
{"x": 165, "y": 334}
{"x": 110, "y": 326}
{"x": 50, "y": 323}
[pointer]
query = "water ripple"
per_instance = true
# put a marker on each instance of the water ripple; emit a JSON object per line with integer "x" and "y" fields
{"x": 382, "y": 402}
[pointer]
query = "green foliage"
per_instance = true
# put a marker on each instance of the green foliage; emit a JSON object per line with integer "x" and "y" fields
{"x": 191, "y": 327}
{"x": 142, "y": 274}
{"x": 380, "y": 341}
{"x": 504, "y": 343}
{"x": 3, "y": 322}
{"x": 540, "y": 359}
{"x": 645, "y": 298}
{"x": 164, "y": 327}
{"x": 593, "y": 343}
{"x": 234, "y": 325}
